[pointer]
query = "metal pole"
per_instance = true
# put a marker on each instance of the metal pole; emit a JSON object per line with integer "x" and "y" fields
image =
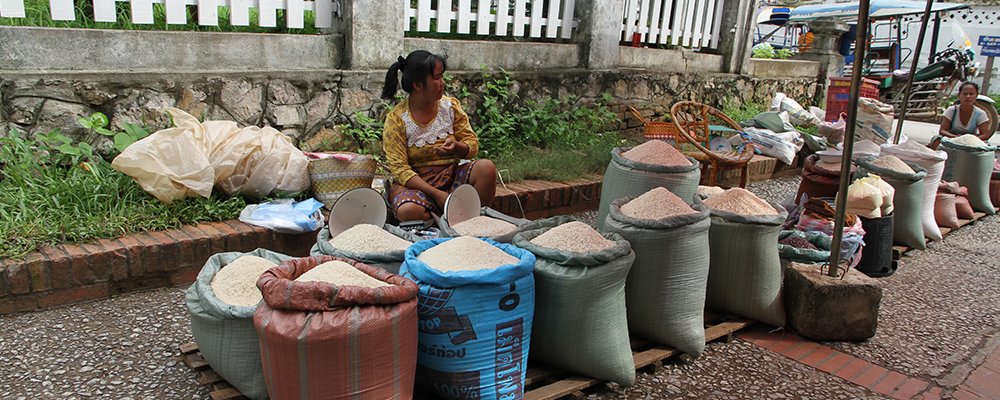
{"x": 934, "y": 38}
{"x": 924, "y": 19}
{"x": 986, "y": 77}
{"x": 860, "y": 49}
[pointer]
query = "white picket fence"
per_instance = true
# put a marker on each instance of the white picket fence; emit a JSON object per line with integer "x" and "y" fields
{"x": 519, "y": 18}
{"x": 688, "y": 23}
{"x": 208, "y": 11}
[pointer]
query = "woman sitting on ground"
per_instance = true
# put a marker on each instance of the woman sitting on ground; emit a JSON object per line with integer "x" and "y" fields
{"x": 425, "y": 139}
{"x": 964, "y": 118}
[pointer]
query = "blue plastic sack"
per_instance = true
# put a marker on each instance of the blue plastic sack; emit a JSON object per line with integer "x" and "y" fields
{"x": 474, "y": 326}
{"x": 285, "y": 215}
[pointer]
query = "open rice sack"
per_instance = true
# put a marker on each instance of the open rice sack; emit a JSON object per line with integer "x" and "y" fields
{"x": 580, "y": 323}
{"x": 222, "y": 320}
{"x": 348, "y": 331}
{"x": 627, "y": 177}
{"x": 476, "y": 304}
{"x": 665, "y": 291}
{"x": 804, "y": 247}
{"x": 908, "y": 201}
{"x": 379, "y": 247}
{"x": 971, "y": 166}
{"x": 490, "y": 224}
{"x": 817, "y": 181}
{"x": 933, "y": 162}
{"x": 745, "y": 275}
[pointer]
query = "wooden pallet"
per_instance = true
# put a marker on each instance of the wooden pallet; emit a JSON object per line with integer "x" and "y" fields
{"x": 899, "y": 251}
{"x": 218, "y": 388}
{"x": 541, "y": 382}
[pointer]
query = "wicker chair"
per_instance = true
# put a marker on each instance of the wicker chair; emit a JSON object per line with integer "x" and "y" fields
{"x": 692, "y": 120}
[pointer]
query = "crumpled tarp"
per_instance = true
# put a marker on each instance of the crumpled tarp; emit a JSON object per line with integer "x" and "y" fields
{"x": 193, "y": 157}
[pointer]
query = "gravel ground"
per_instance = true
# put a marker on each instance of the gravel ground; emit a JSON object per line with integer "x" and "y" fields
{"x": 937, "y": 314}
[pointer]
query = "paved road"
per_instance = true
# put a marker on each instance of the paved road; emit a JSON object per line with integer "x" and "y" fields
{"x": 938, "y": 323}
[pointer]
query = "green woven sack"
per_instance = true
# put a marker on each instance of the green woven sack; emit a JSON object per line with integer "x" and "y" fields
{"x": 821, "y": 240}
{"x": 627, "y": 178}
{"x": 389, "y": 261}
{"x": 580, "y": 322}
{"x": 225, "y": 333}
{"x": 665, "y": 292}
{"x": 971, "y": 167}
{"x": 448, "y": 231}
{"x": 908, "y": 202}
{"x": 745, "y": 277}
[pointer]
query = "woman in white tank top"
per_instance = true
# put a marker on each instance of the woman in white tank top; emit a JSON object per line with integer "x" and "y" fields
{"x": 964, "y": 118}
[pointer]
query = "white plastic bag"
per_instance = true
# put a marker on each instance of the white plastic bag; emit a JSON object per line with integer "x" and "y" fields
{"x": 833, "y": 131}
{"x": 285, "y": 215}
{"x": 782, "y": 146}
{"x": 864, "y": 200}
{"x": 817, "y": 112}
{"x": 797, "y": 113}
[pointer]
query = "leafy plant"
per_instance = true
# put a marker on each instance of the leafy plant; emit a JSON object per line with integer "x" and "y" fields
{"x": 783, "y": 54}
{"x": 98, "y": 122}
{"x": 763, "y": 50}
{"x": 367, "y": 134}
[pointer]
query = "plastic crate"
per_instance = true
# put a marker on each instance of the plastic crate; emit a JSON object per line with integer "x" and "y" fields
{"x": 839, "y": 93}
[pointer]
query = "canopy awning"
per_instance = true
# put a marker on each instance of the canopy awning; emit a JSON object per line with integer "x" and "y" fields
{"x": 878, "y": 9}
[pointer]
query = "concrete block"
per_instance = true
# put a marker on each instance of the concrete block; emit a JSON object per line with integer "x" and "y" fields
{"x": 820, "y": 307}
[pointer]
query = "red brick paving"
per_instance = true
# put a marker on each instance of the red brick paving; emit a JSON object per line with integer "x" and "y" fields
{"x": 983, "y": 383}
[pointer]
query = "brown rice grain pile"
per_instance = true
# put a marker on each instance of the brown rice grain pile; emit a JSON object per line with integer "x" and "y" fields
{"x": 341, "y": 274}
{"x": 484, "y": 226}
{"x": 709, "y": 191}
{"x": 236, "y": 282}
{"x": 969, "y": 140}
{"x": 827, "y": 166}
{"x": 892, "y": 163}
{"x": 912, "y": 145}
{"x": 465, "y": 253}
{"x": 658, "y": 203}
{"x": 367, "y": 238}
{"x": 657, "y": 152}
{"x": 740, "y": 201}
{"x": 574, "y": 236}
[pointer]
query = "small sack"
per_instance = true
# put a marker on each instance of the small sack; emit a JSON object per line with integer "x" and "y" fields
{"x": 798, "y": 114}
{"x": 782, "y": 146}
{"x": 962, "y": 208}
{"x": 834, "y": 131}
{"x": 944, "y": 210}
{"x": 864, "y": 200}
{"x": 995, "y": 192}
{"x": 874, "y": 121}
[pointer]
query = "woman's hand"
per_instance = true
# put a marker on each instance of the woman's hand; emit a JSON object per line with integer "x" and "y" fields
{"x": 452, "y": 147}
{"x": 439, "y": 197}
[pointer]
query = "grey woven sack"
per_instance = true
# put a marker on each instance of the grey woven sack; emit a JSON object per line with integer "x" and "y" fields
{"x": 908, "y": 202}
{"x": 971, "y": 167}
{"x": 580, "y": 322}
{"x": 628, "y": 178}
{"x": 665, "y": 291}
{"x": 225, "y": 333}
{"x": 448, "y": 231}
{"x": 389, "y": 261}
{"x": 745, "y": 277}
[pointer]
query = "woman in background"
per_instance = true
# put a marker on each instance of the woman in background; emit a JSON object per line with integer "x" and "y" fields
{"x": 964, "y": 118}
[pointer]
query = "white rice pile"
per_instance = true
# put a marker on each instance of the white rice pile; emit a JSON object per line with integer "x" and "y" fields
{"x": 892, "y": 163}
{"x": 483, "y": 226}
{"x": 912, "y": 145}
{"x": 969, "y": 140}
{"x": 740, "y": 201}
{"x": 658, "y": 203}
{"x": 341, "y": 274}
{"x": 835, "y": 167}
{"x": 709, "y": 191}
{"x": 465, "y": 253}
{"x": 657, "y": 152}
{"x": 236, "y": 282}
{"x": 574, "y": 236}
{"x": 367, "y": 238}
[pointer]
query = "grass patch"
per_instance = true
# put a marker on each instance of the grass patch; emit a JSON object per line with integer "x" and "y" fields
{"x": 560, "y": 164}
{"x": 49, "y": 197}
{"x": 37, "y": 14}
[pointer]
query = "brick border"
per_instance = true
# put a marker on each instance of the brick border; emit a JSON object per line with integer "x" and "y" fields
{"x": 72, "y": 273}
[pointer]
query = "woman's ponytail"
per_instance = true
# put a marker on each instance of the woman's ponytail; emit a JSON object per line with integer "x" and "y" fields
{"x": 392, "y": 79}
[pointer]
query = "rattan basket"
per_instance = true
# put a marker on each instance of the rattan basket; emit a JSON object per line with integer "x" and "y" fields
{"x": 334, "y": 176}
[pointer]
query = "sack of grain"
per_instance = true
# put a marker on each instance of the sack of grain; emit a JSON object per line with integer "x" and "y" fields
{"x": 908, "y": 200}
{"x": 945, "y": 212}
{"x": 580, "y": 322}
{"x": 323, "y": 341}
{"x": 475, "y": 316}
{"x": 817, "y": 250}
{"x": 223, "y": 330}
{"x": 864, "y": 199}
{"x": 745, "y": 275}
{"x": 971, "y": 166}
{"x": 629, "y": 178}
{"x": 933, "y": 162}
{"x": 817, "y": 181}
{"x": 665, "y": 290}
{"x": 494, "y": 228}
{"x": 378, "y": 247}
